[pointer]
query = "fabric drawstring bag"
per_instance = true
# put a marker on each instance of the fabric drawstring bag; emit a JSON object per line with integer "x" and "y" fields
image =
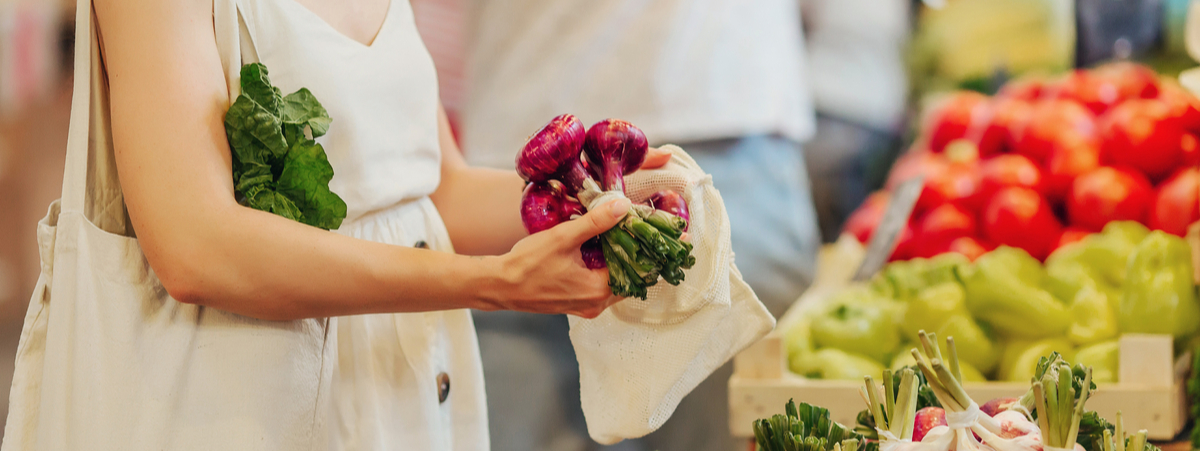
{"x": 638, "y": 359}
{"x": 107, "y": 360}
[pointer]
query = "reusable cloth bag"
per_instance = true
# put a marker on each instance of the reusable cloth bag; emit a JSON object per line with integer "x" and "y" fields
{"x": 638, "y": 359}
{"x": 107, "y": 360}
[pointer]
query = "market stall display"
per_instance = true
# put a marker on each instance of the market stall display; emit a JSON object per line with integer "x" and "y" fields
{"x": 1141, "y": 374}
{"x": 1047, "y": 160}
{"x": 925, "y": 407}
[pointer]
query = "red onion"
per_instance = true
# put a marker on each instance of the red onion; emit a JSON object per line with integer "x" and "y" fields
{"x": 593, "y": 254}
{"x": 670, "y": 202}
{"x": 614, "y": 148}
{"x": 550, "y": 149}
{"x": 545, "y": 205}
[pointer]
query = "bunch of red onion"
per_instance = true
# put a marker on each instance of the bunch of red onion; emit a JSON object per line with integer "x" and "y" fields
{"x": 570, "y": 171}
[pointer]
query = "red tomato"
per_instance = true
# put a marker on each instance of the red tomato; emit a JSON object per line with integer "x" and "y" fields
{"x": 1108, "y": 194}
{"x": 1177, "y": 202}
{"x": 1072, "y": 156}
{"x": 950, "y": 119}
{"x": 1133, "y": 81}
{"x": 1092, "y": 91}
{"x": 1190, "y": 147}
{"x": 1007, "y": 170}
{"x": 914, "y": 163}
{"x": 969, "y": 246}
{"x": 1184, "y": 105}
{"x": 906, "y": 245}
{"x": 1026, "y": 87}
{"x": 945, "y": 222}
{"x": 1051, "y": 123}
{"x": 866, "y": 217}
{"x": 1020, "y": 217}
{"x": 1003, "y": 116}
{"x": 1106, "y": 86}
{"x": 1142, "y": 134}
{"x": 1070, "y": 235}
{"x": 958, "y": 184}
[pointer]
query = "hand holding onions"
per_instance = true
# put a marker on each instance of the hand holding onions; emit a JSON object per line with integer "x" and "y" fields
{"x": 571, "y": 171}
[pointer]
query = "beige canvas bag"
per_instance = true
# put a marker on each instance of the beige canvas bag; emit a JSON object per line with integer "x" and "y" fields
{"x": 107, "y": 360}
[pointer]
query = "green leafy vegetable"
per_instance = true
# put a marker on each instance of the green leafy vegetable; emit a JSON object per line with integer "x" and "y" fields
{"x": 277, "y": 167}
{"x": 807, "y": 428}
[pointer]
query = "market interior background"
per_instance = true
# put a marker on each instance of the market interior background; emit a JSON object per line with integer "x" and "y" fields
{"x": 870, "y": 60}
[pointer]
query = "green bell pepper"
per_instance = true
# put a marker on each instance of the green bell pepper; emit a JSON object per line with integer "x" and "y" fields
{"x": 904, "y": 359}
{"x": 1092, "y": 316}
{"x": 832, "y": 363}
{"x": 904, "y": 280}
{"x": 1020, "y": 357}
{"x": 1159, "y": 296}
{"x": 1102, "y": 257}
{"x": 797, "y": 339}
{"x": 942, "y": 309}
{"x": 1004, "y": 290}
{"x": 1104, "y": 358}
{"x": 859, "y": 326}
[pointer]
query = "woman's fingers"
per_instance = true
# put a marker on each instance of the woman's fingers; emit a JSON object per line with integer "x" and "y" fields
{"x": 595, "y": 222}
{"x": 656, "y": 158}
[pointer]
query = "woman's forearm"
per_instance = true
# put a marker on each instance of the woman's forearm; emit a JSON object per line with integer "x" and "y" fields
{"x": 260, "y": 265}
{"x": 481, "y": 209}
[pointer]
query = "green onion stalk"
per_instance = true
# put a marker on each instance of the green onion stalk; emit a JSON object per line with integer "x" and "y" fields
{"x": 895, "y": 416}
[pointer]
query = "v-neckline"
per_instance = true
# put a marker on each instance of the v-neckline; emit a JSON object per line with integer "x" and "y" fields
{"x": 383, "y": 27}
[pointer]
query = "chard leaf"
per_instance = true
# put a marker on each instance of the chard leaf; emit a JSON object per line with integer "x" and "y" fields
{"x": 305, "y": 180}
{"x": 255, "y": 135}
{"x": 276, "y": 167}
{"x": 256, "y": 84}
{"x": 302, "y": 108}
{"x": 271, "y": 201}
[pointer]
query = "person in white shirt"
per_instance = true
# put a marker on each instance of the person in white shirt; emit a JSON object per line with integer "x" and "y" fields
{"x": 723, "y": 79}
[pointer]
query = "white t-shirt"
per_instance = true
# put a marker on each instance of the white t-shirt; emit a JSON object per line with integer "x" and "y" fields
{"x": 681, "y": 70}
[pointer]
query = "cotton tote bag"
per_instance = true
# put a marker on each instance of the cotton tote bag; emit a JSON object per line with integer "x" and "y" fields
{"x": 107, "y": 360}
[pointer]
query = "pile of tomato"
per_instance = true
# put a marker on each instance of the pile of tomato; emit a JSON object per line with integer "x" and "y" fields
{"x": 1047, "y": 161}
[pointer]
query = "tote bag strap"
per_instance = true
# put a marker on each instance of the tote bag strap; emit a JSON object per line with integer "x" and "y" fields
{"x": 90, "y": 183}
{"x": 74, "y": 189}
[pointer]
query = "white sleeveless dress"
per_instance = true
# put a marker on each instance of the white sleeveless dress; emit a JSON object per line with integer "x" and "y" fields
{"x": 402, "y": 381}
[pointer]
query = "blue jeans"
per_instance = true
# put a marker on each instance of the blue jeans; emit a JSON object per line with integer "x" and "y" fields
{"x": 531, "y": 376}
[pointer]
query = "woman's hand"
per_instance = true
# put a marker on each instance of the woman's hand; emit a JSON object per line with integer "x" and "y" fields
{"x": 656, "y": 158}
{"x": 544, "y": 273}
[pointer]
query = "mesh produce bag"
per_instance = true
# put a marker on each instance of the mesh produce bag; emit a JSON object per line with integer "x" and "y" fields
{"x": 638, "y": 359}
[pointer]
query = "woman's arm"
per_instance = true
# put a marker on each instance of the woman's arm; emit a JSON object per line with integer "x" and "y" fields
{"x": 168, "y": 98}
{"x": 469, "y": 197}
{"x": 481, "y": 207}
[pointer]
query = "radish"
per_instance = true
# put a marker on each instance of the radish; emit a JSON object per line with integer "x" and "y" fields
{"x": 927, "y": 419}
{"x": 997, "y": 405}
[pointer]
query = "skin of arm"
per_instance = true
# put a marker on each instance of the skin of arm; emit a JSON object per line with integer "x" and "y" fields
{"x": 168, "y": 99}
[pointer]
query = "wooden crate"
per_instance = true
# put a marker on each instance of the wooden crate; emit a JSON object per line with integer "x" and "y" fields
{"x": 1151, "y": 393}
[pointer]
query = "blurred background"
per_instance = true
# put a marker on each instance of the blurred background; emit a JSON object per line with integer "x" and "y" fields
{"x": 871, "y": 65}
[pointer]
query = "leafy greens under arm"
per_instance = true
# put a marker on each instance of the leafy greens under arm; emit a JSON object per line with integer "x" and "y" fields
{"x": 277, "y": 166}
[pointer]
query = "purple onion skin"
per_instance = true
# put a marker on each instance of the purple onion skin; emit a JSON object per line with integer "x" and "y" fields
{"x": 545, "y": 205}
{"x": 614, "y": 148}
{"x": 548, "y": 150}
{"x": 593, "y": 256}
{"x": 670, "y": 202}
{"x": 572, "y": 174}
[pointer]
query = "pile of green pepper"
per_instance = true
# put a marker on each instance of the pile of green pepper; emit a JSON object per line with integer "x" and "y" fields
{"x": 1006, "y": 309}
